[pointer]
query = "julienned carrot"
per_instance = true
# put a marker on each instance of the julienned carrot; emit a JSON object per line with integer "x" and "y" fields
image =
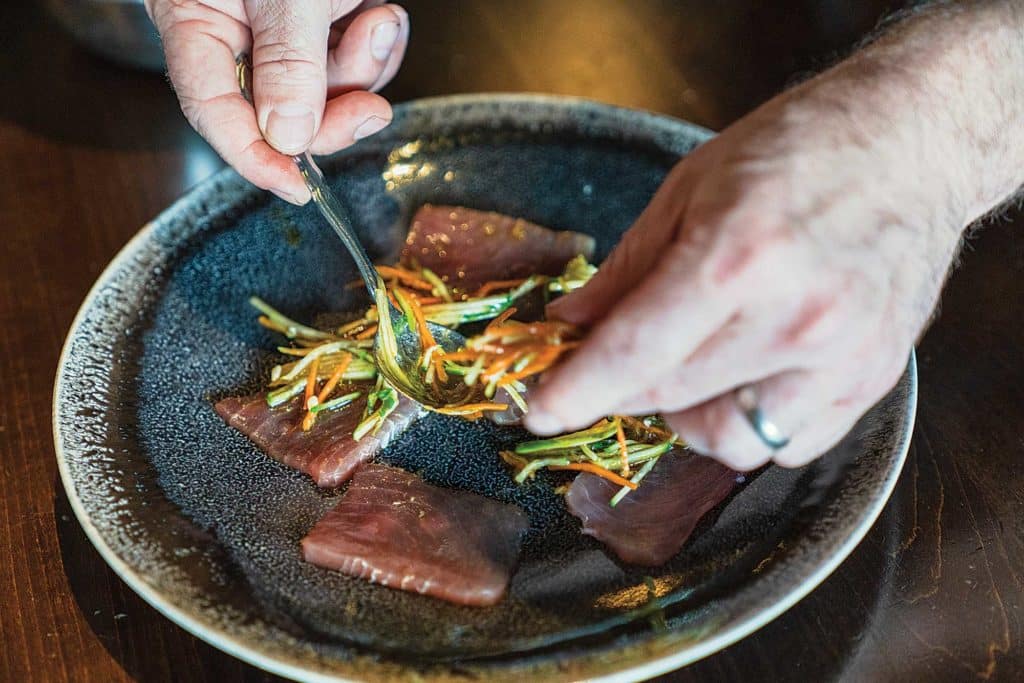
{"x": 354, "y": 326}
{"x": 438, "y": 363}
{"x": 598, "y": 470}
{"x": 426, "y": 338}
{"x": 473, "y": 408}
{"x": 314, "y": 367}
{"x": 639, "y": 427}
{"x": 334, "y": 378}
{"x": 513, "y": 330}
{"x": 367, "y": 333}
{"x": 307, "y": 404}
{"x": 489, "y": 287}
{"x": 620, "y": 436}
{"x": 505, "y": 315}
{"x": 500, "y": 365}
{"x": 543, "y": 361}
{"x": 465, "y": 354}
{"x": 405, "y": 277}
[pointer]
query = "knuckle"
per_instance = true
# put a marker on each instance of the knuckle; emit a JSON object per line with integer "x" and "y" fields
{"x": 291, "y": 69}
{"x": 816, "y": 324}
{"x": 746, "y": 252}
{"x": 283, "y": 48}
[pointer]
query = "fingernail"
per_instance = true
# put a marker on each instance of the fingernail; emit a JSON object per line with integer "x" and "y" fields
{"x": 369, "y": 127}
{"x": 382, "y": 39}
{"x": 290, "y": 127}
{"x": 289, "y": 197}
{"x": 542, "y": 423}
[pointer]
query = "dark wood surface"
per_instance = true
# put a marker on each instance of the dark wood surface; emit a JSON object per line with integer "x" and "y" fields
{"x": 90, "y": 151}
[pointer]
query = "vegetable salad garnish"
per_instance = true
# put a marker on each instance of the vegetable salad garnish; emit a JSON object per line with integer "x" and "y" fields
{"x": 496, "y": 363}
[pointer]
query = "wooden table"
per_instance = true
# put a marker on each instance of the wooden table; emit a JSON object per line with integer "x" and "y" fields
{"x": 90, "y": 151}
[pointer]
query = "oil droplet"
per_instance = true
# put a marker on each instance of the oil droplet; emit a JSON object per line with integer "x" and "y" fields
{"x": 488, "y": 229}
{"x": 449, "y": 176}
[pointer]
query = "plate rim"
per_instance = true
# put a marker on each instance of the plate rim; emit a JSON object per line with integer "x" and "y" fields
{"x": 245, "y": 651}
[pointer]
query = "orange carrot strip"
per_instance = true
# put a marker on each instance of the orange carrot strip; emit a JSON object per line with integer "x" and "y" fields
{"x": 426, "y": 337}
{"x": 438, "y": 361}
{"x": 543, "y": 361}
{"x": 426, "y": 300}
{"x": 620, "y": 436}
{"x": 465, "y": 354}
{"x": 639, "y": 427}
{"x": 489, "y": 287}
{"x": 472, "y": 408}
{"x": 598, "y": 470}
{"x": 500, "y": 365}
{"x": 307, "y": 421}
{"x": 334, "y": 379}
{"x": 314, "y": 367}
{"x": 405, "y": 277}
{"x": 505, "y": 315}
{"x": 367, "y": 333}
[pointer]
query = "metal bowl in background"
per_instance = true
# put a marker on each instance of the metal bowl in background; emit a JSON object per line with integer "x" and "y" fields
{"x": 119, "y": 30}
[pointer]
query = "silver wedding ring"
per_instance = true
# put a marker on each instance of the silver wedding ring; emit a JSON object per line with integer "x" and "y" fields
{"x": 766, "y": 430}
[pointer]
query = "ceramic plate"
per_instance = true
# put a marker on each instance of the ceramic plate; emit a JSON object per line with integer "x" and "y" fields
{"x": 206, "y": 528}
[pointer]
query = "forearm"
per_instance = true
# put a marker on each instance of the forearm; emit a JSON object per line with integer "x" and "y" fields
{"x": 971, "y": 57}
{"x": 943, "y": 90}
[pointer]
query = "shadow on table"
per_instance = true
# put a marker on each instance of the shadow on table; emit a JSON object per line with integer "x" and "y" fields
{"x": 59, "y": 91}
{"x": 147, "y": 645}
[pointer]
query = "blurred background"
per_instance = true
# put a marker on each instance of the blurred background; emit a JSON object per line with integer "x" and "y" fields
{"x": 708, "y": 62}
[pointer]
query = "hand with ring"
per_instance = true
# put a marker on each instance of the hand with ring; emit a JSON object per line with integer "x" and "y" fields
{"x": 774, "y": 287}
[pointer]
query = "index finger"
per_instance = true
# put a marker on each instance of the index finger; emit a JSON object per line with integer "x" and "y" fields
{"x": 650, "y": 330}
{"x": 201, "y": 52}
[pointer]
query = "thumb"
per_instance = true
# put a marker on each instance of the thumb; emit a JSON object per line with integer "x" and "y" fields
{"x": 289, "y": 64}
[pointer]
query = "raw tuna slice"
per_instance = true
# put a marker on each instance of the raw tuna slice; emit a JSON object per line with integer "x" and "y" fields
{"x": 328, "y": 453}
{"x": 651, "y": 524}
{"x": 394, "y": 529}
{"x": 466, "y": 247}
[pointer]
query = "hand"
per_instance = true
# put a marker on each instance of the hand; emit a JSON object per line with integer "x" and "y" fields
{"x": 801, "y": 251}
{"x": 316, "y": 64}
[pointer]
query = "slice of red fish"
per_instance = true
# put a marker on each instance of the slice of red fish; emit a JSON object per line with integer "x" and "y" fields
{"x": 393, "y": 528}
{"x": 466, "y": 247}
{"x": 652, "y": 523}
{"x": 327, "y": 452}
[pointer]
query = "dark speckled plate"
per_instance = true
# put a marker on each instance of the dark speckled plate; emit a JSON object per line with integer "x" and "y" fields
{"x": 206, "y": 528}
